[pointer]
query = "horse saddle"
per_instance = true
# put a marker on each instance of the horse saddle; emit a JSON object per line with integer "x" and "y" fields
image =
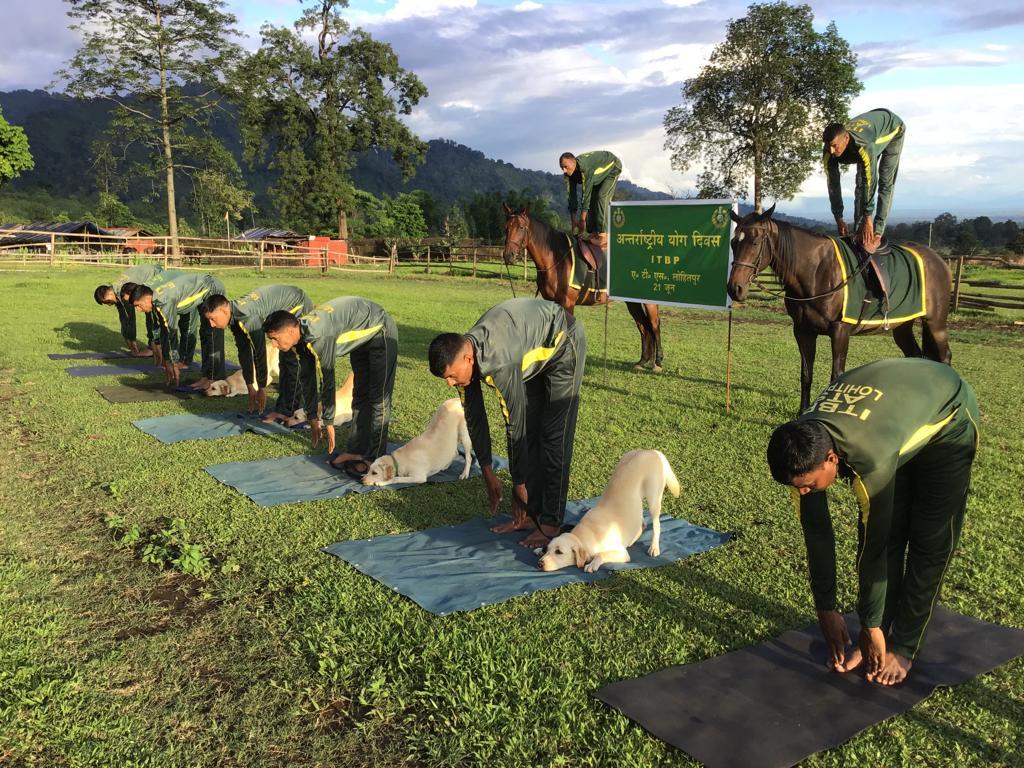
{"x": 877, "y": 268}
{"x": 590, "y": 253}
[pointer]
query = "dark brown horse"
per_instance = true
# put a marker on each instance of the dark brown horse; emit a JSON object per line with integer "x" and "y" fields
{"x": 806, "y": 265}
{"x": 551, "y": 252}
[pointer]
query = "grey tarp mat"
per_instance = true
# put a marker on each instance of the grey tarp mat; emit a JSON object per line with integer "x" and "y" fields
{"x": 206, "y": 426}
{"x": 309, "y": 478}
{"x": 775, "y": 704}
{"x": 463, "y": 567}
{"x": 128, "y": 370}
{"x": 109, "y": 355}
{"x": 142, "y": 392}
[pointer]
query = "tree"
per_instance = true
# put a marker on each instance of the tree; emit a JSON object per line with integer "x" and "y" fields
{"x": 14, "y": 153}
{"x": 159, "y": 62}
{"x": 311, "y": 108}
{"x": 758, "y": 107}
{"x": 219, "y": 198}
{"x": 113, "y": 212}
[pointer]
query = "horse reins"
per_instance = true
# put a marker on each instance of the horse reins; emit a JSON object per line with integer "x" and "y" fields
{"x": 758, "y": 266}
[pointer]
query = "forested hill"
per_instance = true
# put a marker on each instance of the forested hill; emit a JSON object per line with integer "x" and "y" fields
{"x": 61, "y": 131}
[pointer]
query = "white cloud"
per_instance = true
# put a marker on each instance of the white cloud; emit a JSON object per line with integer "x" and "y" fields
{"x": 996, "y": 47}
{"x": 683, "y": 3}
{"x": 527, "y": 5}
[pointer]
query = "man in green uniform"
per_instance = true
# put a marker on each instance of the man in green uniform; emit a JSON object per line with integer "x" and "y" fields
{"x": 904, "y": 433}
{"x": 245, "y": 317}
{"x": 180, "y": 298}
{"x": 873, "y": 142}
{"x": 532, "y": 353}
{"x": 590, "y": 181}
{"x": 352, "y": 326}
{"x": 111, "y": 295}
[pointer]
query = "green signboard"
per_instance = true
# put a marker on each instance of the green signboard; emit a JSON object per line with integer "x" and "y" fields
{"x": 670, "y": 252}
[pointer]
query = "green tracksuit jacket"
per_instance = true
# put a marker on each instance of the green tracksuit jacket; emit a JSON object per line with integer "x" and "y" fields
{"x": 181, "y": 296}
{"x": 906, "y": 431}
{"x": 248, "y": 314}
{"x": 341, "y": 327}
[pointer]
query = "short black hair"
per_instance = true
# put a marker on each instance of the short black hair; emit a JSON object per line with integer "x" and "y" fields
{"x": 797, "y": 447}
{"x": 101, "y": 292}
{"x": 279, "y": 320}
{"x": 443, "y": 351}
{"x": 831, "y": 131}
{"x": 566, "y": 156}
{"x": 213, "y": 302}
{"x": 127, "y": 288}
{"x": 138, "y": 291}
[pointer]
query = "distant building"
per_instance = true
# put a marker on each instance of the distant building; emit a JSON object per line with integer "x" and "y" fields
{"x": 38, "y": 235}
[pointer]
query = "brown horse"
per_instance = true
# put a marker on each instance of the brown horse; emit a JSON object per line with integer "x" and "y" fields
{"x": 806, "y": 265}
{"x": 551, "y": 252}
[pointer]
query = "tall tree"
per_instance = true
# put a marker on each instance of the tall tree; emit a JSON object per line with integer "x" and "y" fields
{"x": 160, "y": 63}
{"x": 758, "y": 107}
{"x": 311, "y": 107}
{"x": 14, "y": 153}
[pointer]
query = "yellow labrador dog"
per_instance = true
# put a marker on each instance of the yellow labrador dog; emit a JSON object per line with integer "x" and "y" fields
{"x": 342, "y": 405}
{"x": 426, "y": 454}
{"x": 234, "y": 384}
{"x": 617, "y": 520}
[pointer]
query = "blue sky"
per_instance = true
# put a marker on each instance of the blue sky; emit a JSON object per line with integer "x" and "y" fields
{"x": 524, "y": 80}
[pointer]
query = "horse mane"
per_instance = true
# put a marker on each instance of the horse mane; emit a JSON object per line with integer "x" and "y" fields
{"x": 544, "y": 233}
{"x": 785, "y": 262}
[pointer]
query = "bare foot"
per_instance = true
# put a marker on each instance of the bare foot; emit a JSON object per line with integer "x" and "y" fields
{"x": 525, "y": 524}
{"x": 853, "y": 660}
{"x": 894, "y": 669}
{"x": 341, "y": 458}
{"x": 539, "y": 537}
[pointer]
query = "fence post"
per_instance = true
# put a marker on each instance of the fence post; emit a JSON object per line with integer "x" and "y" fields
{"x": 53, "y": 248}
{"x": 166, "y": 255}
{"x": 428, "y": 260}
{"x": 524, "y": 263}
{"x": 262, "y": 246}
{"x": 956, "y": 282}
{"x": 393, "y": 258}
{"x": 474, "y": 261}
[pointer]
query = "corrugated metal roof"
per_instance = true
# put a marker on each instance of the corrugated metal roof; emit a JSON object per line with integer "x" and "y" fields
{"x": 267, "y": 233}
{"x": 130, "y": 232}
{"x": 60, "y": 228}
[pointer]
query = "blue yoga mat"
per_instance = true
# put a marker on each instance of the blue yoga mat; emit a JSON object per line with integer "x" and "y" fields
{"x": 207, "y": 426}
{"x": 109, "y": 355}
{"x": 121, "y": 370}
{"x": 310, "y": 478}
{"x": 464, "y": 567}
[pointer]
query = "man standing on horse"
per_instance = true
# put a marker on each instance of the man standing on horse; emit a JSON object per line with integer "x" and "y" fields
{"x": 904, "y": 433}
{"x": 531, "y": 352}
{"x": 590, "y": 181}
{"x": 873, "y": 142}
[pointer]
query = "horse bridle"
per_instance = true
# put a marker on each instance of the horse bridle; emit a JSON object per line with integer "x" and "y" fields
{"x": 519, "y": 247}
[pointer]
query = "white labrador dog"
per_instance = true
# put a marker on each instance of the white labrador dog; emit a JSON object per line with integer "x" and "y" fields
{"x": 428, "y": 453}
{"x": 342, "y": 405}
{"x": 234, "y": 384}
{"x": 617, "y": 520}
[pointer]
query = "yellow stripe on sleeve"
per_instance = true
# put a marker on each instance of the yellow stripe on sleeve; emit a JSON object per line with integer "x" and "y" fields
{"x": 350, "y": 336}
{"x": 925, "y": 433}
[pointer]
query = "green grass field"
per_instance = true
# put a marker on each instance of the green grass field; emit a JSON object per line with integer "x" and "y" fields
{"x": 282, "y": 655}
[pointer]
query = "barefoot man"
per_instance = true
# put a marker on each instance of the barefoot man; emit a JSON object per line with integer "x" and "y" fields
{"x": 175, "y": 304}
{"x": 244, "y": 317}
{"x": 531, "y": 352}
{"x": 903, "y": 432}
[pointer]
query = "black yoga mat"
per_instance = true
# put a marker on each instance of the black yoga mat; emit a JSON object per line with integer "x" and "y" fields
{"x": 108, "y": 355}
{"x": 142, "y": 392}
{"x": 775, "y": 704}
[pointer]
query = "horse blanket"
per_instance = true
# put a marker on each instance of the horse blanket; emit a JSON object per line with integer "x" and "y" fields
{"x": 906, "y": 287}
{"x": 582, "y": 274}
